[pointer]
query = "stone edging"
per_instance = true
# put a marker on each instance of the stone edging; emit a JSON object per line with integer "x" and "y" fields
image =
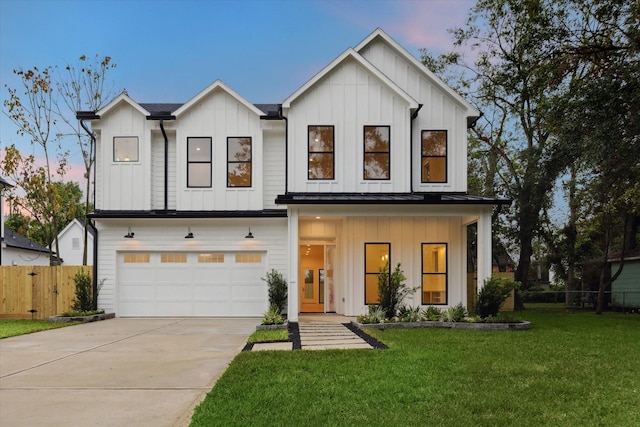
{"x": 514, "y": 326}
{"x": 83, "y": 319}
{"x": 272, "y": 327}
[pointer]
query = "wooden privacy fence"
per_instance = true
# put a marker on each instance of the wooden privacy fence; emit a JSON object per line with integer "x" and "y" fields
{"x": 46, "y": 290}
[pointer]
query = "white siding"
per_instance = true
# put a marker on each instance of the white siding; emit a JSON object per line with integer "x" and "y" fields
{"x": 439, "y": 112}
{"x": 123, "y": 185}
{"x": 274, "y": 167}
{"x": 219, "y": 115}
{"x": 349, "y": 98}
{"x": 168, "y": 235}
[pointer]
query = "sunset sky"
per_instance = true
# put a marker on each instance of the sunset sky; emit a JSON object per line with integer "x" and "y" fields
{"x": 168, "y": 51}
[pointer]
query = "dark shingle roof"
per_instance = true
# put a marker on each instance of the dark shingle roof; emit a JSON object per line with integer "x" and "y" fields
{"x": 157, "y": 108}
{"x": 18, "y": 241}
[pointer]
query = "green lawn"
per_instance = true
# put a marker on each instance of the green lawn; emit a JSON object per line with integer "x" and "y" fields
{"x": 570, "y": 369}
{"x": 12, "y": 328}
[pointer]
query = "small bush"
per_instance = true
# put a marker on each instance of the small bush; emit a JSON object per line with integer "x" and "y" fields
{"x": 273, "y": 316}
{"x": 277, "y": 289}
{"x": 409, "y": 314}
{"x": 83, "y": 300}
{"x": 493, "y": 294}
{"x": 392, "y": 289}
{"x": 457, "y": 313}
{"x": 376, "y": 315}
{"x": 432, "y": 314}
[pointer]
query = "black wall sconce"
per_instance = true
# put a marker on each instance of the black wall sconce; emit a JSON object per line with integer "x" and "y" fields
{"x": 189, "y": 234}
{"x": 250, "y": 235}
{"x": 129, "y": 234}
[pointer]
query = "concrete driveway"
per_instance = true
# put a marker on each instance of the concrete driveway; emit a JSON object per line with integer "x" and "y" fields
{"x": 117, "y": 372}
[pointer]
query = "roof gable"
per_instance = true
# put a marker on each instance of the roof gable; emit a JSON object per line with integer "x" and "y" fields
{"x": 380, "y": 35}
{"x": 122, "y": 98}
{"x": 350, "y": 54}
{"x": 75, "y": 224}
{"x": 218, "y": 84}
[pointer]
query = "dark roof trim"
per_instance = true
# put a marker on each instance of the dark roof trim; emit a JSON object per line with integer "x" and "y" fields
{"x": 267, "y": 213}
{"x": 161, "y": 116}
{"x": 87, "y": 115}
{"x": 388, "y": 199}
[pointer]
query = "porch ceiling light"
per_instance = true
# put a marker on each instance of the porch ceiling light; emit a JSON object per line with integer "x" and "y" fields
{"x": 189, "y": 234}
{"x": 250, "y": 235}
{"x": 129, "y": 234}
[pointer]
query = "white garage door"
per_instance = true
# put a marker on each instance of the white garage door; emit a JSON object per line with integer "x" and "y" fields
{"x": 157, "y": 284}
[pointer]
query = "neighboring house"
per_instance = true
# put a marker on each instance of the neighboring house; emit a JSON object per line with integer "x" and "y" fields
{"x": 365, "y": 164}
{"x": 625, "y": 290}
{"x": 71, "y": 243}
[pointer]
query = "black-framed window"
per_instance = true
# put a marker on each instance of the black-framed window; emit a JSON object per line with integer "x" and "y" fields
{"x": 125, "y": 149}
{"x": 377, "y": 152}
{"x": 376, "y": 256}
{"x": 434, "y": 273}
{"x": 321, "y": 153}
{"x": 199, "y": 165}
{"x": 434, "y": 156}
{"x": 239, "y": 158}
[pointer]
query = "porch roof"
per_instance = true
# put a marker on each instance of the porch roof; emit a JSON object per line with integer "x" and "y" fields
{"x": 388, "y": 199}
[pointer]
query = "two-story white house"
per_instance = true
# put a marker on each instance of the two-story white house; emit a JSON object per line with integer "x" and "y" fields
{"x": 365, "y": 164}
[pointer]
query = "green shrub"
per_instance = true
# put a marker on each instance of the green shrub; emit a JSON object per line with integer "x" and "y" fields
{"x": 493, "y": 294}
{"x": 376, "y": 315}
{"x": 409, "y": 314}
{"x": 457, "y": 313}
{"x": 432, "y": 314}
{"x": 83, "y": 300}
{"x": 277, "y": 289}
{"x": 392, "y": 289}
{"x": 273, "y": 316}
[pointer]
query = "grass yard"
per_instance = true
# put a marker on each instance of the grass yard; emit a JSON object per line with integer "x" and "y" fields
{"x": 269, "y": 336}
{"x": 570, "y": 369}
{"x": 13, "y": 328}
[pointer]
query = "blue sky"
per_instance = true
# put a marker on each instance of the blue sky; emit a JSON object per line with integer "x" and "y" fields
{"x": 168, "y": 51}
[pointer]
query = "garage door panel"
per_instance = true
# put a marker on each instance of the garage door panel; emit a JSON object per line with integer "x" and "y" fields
{"x": 192, "y": 288}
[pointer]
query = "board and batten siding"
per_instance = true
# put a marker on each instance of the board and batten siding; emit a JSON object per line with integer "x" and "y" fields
{"x": 219, "y": 115}
{"x": 273, "y": 167}
{"x": 440, "y": 111}
{"x": 158, "y": 170}
{"x": 349, "y": 98}
{"x": 211, "y": 235}
{"x": 123, "y": 185}
{"x": 406, "y": 235}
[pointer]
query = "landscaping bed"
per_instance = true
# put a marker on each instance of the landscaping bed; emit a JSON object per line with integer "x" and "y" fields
{"x": 478, "y": 326}
{"x": 83, "y": 319}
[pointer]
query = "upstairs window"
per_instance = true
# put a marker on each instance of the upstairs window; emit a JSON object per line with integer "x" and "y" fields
{"x": 376, "y": 256}
{"x": 199, "y": 162}
{"x": 125, "y": 149}
{"x": 238, "y": 162}
{"x": 434, "y": 273}
{"x": 376, "y": 152}
{"x": 321, "y": 153}
{"x": 434, "y": 156}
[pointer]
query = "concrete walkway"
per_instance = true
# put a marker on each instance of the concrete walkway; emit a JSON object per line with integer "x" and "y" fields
{"x": 320, "y": 332}
{"x": 118, "y": 372}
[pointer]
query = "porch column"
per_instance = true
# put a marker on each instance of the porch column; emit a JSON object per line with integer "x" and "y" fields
{"x": 484, "y": 247}
{"x": 293, "y": 298}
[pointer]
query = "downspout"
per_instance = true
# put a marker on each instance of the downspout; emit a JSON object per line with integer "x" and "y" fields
{"x": 161, "y": 117}
{"x": 95, "y": 265}
{"x": 166, "y": 166}
{"x": 286, "y": 149}
{"x": 413, "y": 117}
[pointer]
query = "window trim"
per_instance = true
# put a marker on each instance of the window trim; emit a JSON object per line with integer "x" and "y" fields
{"x": 333, "y": 153}
{"x": 250, "y": 162}
{"x": 445, "y": 157}
{"x": 446, "y": 273}
{"x": 137, "y": 160}
{"x": 372, "y": 273}
{"x": 210, "y": 162}
{"x": 365, "y": 152}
